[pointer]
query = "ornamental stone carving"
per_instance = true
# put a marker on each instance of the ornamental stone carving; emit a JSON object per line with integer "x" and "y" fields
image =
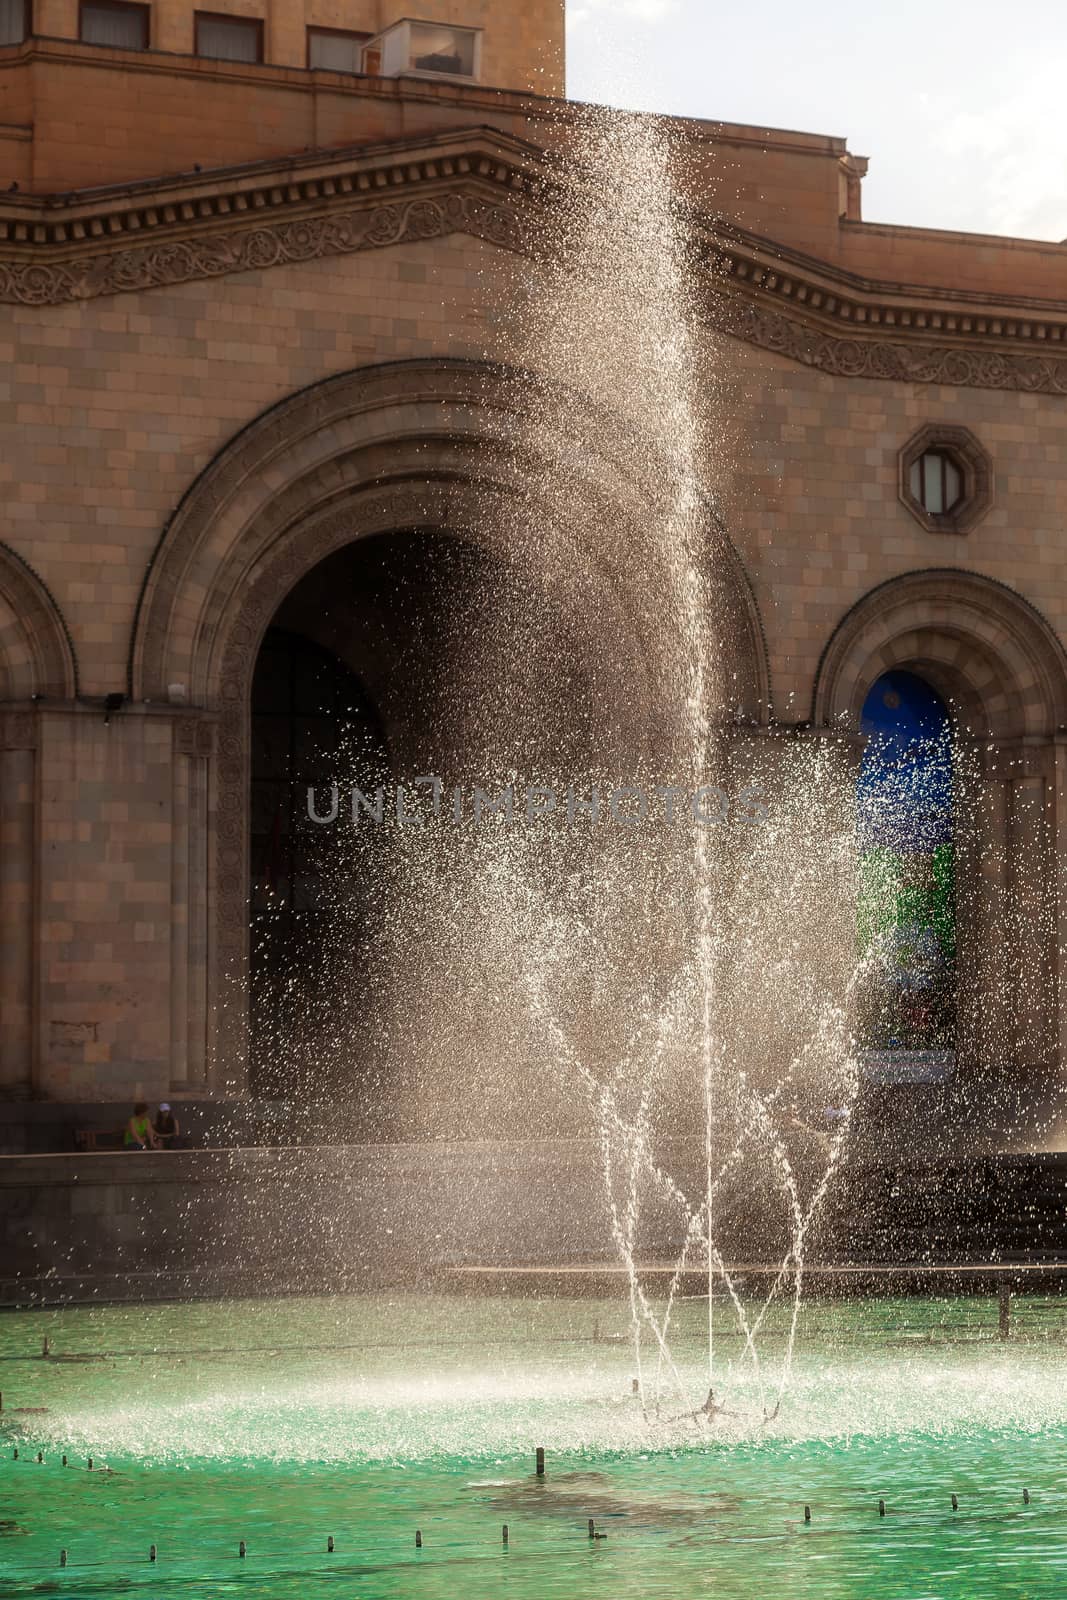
{"x": 194, "y": 737}
{"x": 874, "y": 357}
{"x": 255, "y": 249}
{"x": 493, "y": 192}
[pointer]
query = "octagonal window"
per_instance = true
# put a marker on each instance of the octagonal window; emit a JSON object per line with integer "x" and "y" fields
{"x": 946, "y": 478}
{"x": 937, "y": 482}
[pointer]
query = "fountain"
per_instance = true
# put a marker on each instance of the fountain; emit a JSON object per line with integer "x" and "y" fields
{"x": 610, "y": 333}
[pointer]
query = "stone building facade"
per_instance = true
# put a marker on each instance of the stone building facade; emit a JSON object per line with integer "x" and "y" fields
{"x": 252, "y": 311}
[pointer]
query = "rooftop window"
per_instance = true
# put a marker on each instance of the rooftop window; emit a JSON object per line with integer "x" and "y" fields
{"x": 228, "y": 38}
{"x": 114, "y": 22}
{"x": 427, "y": 49}
{"x": 14, "y": 21}
{"x": 336, "y": 49}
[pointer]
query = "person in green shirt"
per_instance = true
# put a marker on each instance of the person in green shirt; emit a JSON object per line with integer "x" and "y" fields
{"x": 139, "y": 1133}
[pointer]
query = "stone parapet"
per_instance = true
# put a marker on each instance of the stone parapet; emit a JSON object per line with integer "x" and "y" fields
{"x": 298, "y": 1217}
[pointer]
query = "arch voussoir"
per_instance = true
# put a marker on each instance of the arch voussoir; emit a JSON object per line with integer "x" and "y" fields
{"x": 36, "y": 651}
{"x": 418, "y": 418}
{"x": 988, "y": 649}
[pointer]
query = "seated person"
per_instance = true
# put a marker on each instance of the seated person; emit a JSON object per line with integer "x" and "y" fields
{"x": 168, "y": 1132}
{"x": 139, "y": 1133}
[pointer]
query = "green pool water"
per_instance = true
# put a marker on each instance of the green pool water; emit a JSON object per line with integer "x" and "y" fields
{"x": 365, "y": 1418}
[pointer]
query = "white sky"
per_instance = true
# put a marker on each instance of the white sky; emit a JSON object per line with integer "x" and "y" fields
{"x": 961, "y": 108}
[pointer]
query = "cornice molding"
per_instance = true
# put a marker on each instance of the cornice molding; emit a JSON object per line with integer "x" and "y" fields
{"x": 215, "y": 254}
{"x": 872, "y": 355}
{"x": 56, "y": 250}
{"x": 35, "y": 227}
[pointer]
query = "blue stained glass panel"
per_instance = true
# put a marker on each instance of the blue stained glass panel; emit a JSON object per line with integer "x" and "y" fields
{"x": 906, "y": 910}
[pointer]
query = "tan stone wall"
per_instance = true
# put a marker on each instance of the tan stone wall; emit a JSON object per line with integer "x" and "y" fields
{"x": 104, "y": 904}
{"x": 810, "y": 488}
{"x": 189, "y": 112}
{"x": 116, "y": 406}
{"x": 18, "y": 944}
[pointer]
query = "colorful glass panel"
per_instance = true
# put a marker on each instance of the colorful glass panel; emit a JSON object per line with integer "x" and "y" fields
{"x": 906, "y": 902}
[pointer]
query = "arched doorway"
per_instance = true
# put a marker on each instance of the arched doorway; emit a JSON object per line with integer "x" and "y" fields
{"x": 907, "y": 891}
{"x": 1000, "y": 669}
{"x": 426, "y": 447}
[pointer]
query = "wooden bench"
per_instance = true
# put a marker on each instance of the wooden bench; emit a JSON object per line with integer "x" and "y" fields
{"x": 99, "y": 1138}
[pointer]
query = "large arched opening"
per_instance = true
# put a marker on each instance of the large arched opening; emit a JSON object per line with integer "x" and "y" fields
{"x": 411, "y": 490}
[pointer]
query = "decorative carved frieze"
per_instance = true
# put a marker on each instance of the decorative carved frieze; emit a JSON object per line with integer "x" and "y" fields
{"x": 496, "y": 189}
{"x": 873, "y": 356}
{"x": 182, "y": 260}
